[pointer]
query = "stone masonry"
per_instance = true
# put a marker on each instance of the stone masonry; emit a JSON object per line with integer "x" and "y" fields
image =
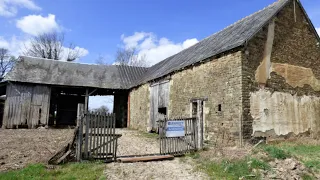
{"x": 268, "y": 88}
{"x": 140, "y": 107}
{"x": 288, "y": 102}
{"x": 219, "y": 80}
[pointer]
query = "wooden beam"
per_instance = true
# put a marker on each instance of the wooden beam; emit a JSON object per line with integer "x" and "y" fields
{"x": 146, "y": 158}
{"x": 86, "y": 101}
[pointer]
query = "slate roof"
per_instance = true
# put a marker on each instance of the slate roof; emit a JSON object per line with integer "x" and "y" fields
{"x": 231, "y": 37}
{"x": 37, "y": 70}
{"x": 45, "y": 71}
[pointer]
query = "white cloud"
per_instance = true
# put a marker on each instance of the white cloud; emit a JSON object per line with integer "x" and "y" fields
{"x": 318, "y": 30}
{"x": 16, "y": 46}
{"x": 153, "y": 48}
{"x": 9, "y": 8}
{"x": 132, "y": 41}
{"x": 37, "y": 24}
{"x": 3, "y": 43}
{"x": 77, "y": 50}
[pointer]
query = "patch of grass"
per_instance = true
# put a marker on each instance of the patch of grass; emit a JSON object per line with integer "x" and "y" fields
{"x": 193, "y": 155}
{"x": 68, "y": 171}
{"x": 149, "y": 135}
{"x": 306, "y": 177}
{"x": 308, "y": 154}
{"x": 258, "y": 164}
{"x": 234, "y": 169}
{"x": 276, "y": 152}
{"x": 303, "y": 152}
{"x": 313, "y": 164}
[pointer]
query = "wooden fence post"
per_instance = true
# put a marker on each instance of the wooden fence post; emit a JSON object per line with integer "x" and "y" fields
{"x": 79, "y": 139}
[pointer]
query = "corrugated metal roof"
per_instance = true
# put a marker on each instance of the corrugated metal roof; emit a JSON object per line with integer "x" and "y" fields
{"x": 231, "y": 37}
{"x": 45, "y": 71}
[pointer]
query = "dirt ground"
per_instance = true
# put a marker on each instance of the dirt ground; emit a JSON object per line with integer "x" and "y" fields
{"x": 133, "y": 143}
{"x": 19, "y": 147}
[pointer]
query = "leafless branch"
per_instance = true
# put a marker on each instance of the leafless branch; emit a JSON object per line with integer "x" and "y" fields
{"x": 130, "y": 57}
{"x": 50, "y": 46}
{"x": 6, "y": 62}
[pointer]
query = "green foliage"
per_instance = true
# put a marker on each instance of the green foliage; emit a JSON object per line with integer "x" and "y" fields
{"x": 235, "y": 169}
{"x": 313, "y": 164}
{"x": 149, "y": 135}
{"x": 67, "y": 171}
{"x": 306, "y": 177}
{"x": 308, "y": 154}
{"x": 303, "y": 152}
{"x": 194, "y": 155}
{"x": 258, "y": 164}
{"x": 276, "y": 152}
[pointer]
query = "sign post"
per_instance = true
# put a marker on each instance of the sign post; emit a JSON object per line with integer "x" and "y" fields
{"x": 175, "y": 129}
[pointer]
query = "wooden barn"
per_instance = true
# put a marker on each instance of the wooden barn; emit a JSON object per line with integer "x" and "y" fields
{"x": 43, "y": 92}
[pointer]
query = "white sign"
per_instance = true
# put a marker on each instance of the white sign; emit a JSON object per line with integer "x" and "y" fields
{"x": 175, "y": 129}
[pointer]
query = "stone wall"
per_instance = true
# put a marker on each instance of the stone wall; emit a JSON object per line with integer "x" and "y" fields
{"x": 281, "y": 85}
{"x": 140, "y": 107}
{"x": 219, "y": 80}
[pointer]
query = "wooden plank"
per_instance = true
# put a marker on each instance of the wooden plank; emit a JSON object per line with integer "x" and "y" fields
{"x": 79, "y": 141}
{"x": 86, "y": 145}
{"x": 153, "y": 106}
{"x": 45, "y": 105}
{"x": 108, "y": 132}
{"x": 104, "y": 133}
{"x": 90, "y": 133}
{"x": 63, "y": 157}
{"x": 94, "y": 119}
{"x": 146, "y": 158}
{"x": 113, "y": 132}
{"x": 112, "y": 138}
{"x": 100, "y": 134}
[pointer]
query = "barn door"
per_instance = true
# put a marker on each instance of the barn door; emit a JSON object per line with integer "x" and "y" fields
{"x": 153, "y": 107}
{"x": 197, "y": 112}
{"x": 159, "y": 102}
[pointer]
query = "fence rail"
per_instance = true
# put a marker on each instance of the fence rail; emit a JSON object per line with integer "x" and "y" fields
{"x": 181, "y": 144}
{"x": 97, "y": 138}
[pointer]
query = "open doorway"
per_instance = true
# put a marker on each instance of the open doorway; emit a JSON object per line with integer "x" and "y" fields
{"x": 103, "y": 104}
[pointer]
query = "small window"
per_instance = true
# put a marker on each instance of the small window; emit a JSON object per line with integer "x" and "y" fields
{"x": 162, "y": 110}
{"x": 219, "y": 108}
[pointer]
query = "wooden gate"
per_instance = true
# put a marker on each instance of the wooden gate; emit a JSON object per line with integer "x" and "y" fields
{"x": 97, "y": 138}
{"x": 181, "y": 144}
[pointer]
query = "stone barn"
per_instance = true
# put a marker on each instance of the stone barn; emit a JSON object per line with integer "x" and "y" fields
{"x": 259, "y": 77}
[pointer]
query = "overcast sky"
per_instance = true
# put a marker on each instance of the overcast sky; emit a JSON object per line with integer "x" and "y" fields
{"x": 158, "y": 28}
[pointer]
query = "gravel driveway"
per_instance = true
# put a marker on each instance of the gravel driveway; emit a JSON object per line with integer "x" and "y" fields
{"x": 135, "y": 143}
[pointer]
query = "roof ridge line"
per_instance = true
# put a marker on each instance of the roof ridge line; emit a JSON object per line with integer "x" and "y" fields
{"x": 278, "y": 1}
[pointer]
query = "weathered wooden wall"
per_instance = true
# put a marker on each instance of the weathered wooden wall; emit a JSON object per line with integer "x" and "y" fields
{"x": 159, "y": 98}
{"x": 26, "y": 105}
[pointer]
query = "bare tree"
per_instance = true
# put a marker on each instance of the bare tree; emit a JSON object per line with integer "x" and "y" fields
{"x": 6, "y": 62}
{"x": 129, "y": 56}
{"x": 102, "y": 109}
{"x": 51, "y": 46}
{"x": 101, "y": 60}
